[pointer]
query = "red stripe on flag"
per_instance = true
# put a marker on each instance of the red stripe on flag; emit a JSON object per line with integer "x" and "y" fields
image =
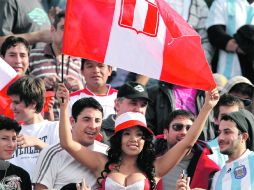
{"x": 92, "y": 19}
{"x": 152, "y": 20}
{"x": 127, "y": 12}
{"x": 184, "y": 61}
{"x": 186, "y": 68}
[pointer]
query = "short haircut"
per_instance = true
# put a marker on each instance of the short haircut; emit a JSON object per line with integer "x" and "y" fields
{"x": 83, "y": 61}
{"x": 30, "y": 90}
{"x": 58, "y": 17}
{"x": 9, "y": 124}
{"x": 179, "y": 113}
{"x": 242, "y": 88}
{"x": 12, "y": 41}
{"x": 84, "y": 103}
{"x": 227, "y": 100}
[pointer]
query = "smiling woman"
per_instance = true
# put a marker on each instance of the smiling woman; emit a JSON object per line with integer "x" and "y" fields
{"x": 131, "y": 158}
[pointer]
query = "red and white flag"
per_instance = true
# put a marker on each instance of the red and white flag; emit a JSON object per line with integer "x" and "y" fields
{"x": 8, "y": 75}
{"x": 143, "y": 36}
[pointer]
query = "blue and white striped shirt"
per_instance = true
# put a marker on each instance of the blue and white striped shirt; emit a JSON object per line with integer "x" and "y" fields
{"x": 236, "y": 175}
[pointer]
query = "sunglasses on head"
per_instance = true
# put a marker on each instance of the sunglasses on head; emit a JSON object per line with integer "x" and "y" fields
{"x": 246, "y": 102}
{"x": 179, "y": 126}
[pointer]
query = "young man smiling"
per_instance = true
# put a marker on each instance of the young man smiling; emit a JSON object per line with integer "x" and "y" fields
{"x": 55, "y": 164}
{"x": 236, "y": 140}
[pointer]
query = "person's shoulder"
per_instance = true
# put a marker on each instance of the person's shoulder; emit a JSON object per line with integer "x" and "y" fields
{"x": 19, "y": 171}
{"x": 78, "y": 93}
{"x": 99, "y": 147}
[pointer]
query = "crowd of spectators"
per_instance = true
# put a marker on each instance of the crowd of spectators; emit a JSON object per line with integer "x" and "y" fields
{"x": 90, "y": 126}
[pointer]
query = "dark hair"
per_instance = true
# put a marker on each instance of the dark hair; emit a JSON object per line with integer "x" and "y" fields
{"x": 145, "y": 160}
{"x": 30, "y": 90}
{"x": 83, "y": 62}
{"x": 242, "y": 88}
{"x": 9, "y": 124}
{"x": 83, "y": 103}
{"x": 12, "y": 41}
{"x": 58, "y": 17}
{"x": 174, "y": 114}
{"x": 227, "y": 100}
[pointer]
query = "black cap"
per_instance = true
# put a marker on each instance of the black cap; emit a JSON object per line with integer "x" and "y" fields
{"x": 132, "y": 90}
{"x": 245, "y": 123}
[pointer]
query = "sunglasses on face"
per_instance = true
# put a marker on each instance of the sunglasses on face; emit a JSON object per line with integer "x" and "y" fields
{"x": 179, "y": 126}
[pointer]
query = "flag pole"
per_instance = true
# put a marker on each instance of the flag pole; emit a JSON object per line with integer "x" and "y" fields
{"x": 62, "y": 73}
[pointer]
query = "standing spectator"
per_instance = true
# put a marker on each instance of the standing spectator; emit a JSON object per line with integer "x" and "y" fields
{"x": 55, "y": 167}
{"x": 131, "y": 97}
{"x": 96, "y": 75}
{"x": 195, "y": 12}
{"x": 166, "y": 98}
{"x": 25, "y": 19}
{"x": 196, "y": 162}
{"x": 27, "y": 95}
{"x": 15, "y": 52}
{"x": 236, "y": 135}
{"x": 46, "y": 63}
{"x": 11, "y": 176}
{"x": 227, "y": 104}
{"x": 224, "y": 19}
{"x": 131, "y": 161}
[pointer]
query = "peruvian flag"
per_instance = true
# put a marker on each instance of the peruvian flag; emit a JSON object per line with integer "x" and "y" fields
{"x": 8, "y": 75}
{"x": 143, "y": 36}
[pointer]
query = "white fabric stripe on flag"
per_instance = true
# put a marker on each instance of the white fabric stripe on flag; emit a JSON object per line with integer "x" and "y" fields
{"x": 7, "y": 73}
{"x": 140, "y": 15}
{"x": 133, "y": 52}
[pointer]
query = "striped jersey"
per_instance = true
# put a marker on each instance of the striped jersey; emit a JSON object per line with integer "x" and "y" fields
{"x": 236, "y": 175}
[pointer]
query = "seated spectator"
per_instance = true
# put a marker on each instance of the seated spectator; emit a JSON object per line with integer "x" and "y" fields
{"x": 46, "y": 63}
{"x": 11, "y": 176}
{"x": 15, "y": 52}
{"x": 27, "y": 95}
{"x": 25, "y": 19}
{"x": 96, "y": 75}
{"x": 196, "y": 162}
{"x": 131, "y": 97}
{"x": 55, "y": 167}
{"x": 166, "y": 98}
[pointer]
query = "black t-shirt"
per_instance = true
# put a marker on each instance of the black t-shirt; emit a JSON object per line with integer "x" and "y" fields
{"x": 15, "y": 178}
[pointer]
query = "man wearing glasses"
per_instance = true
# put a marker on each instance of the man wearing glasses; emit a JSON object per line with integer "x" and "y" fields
{"x": 196, "y": 163}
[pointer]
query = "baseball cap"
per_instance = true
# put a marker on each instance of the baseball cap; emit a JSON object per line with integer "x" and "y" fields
{"x": 132, "y": 90}
{"x": 131, "y": 119}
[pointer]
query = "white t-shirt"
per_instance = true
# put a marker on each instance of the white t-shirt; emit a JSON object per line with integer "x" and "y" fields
{"x": 107, "y": 101}
{"x": 47, "y": 131}
{"x": 56, "y": 168}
